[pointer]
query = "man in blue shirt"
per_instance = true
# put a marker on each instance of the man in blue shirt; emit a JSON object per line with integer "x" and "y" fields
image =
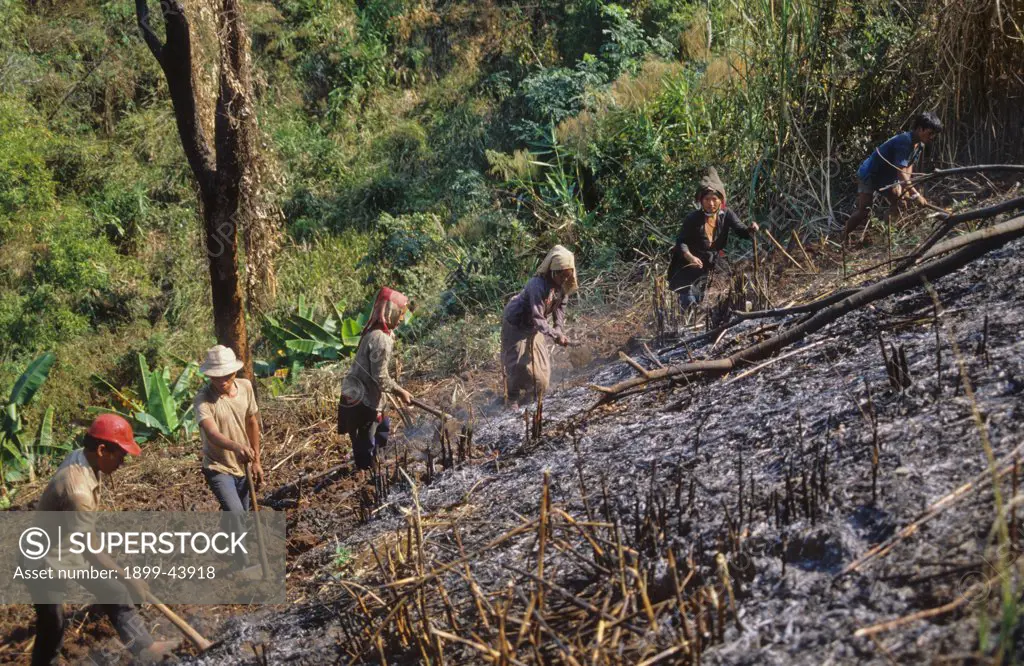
{"x": 888, "y": 169}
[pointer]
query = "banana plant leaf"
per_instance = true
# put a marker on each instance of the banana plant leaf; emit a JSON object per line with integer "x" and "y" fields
{"x": 311, "y": 329}
{"x": 303, "y": 310}
{"x": 15, "y": 454}
{"x": 30, "y": 380}
{"x": 144, "y": 374}
{"x": 182, "y": 383}
{"x": 160, "y": 405}
{"x": 350, "y": 330}
{"x": 152, "y": 423}
{"x": 263, "y": 368}
{"x": 276, "y": 333}
{"x": 311, "y": 347}
{"x": 45, "y": 438}
{"x": 12, "y": 420}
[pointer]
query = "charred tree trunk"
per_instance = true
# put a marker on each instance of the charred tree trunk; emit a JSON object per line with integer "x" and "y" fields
{"x": 218, "y": 164}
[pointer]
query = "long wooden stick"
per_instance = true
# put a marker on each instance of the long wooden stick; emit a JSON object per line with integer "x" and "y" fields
{"x": 430, "y": 410}
{"x": 197, "y": 639}
{"x": 938, "y": 173}
{"x": 264, "y": 565}
{"x": 776, "y": 359}
{"x": 928, "y": 271}
{"x": 782, "y": 249}
{"x": 951, "y": 222}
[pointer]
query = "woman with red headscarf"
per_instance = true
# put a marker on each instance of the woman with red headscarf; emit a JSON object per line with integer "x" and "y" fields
{"x": 703, "y": 236}
{"x": 361, "y": 409}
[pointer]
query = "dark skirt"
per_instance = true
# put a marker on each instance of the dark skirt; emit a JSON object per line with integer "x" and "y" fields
{"x": 688, "y": 281}
{"x": 368, "y": 434}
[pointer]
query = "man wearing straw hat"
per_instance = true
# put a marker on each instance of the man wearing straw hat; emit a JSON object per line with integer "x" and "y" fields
{"x": 229, "y": 426}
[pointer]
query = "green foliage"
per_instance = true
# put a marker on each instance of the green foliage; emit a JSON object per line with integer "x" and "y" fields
{"x": 439, "y": 148}
{"x": 25, "y": 180}
{"x": 158, "y": 407}
{"x": 406, "y": 253}
{"x": 297, "y": 341}
{"x": 20, "y": 454}
{"x": 341, "y": 559}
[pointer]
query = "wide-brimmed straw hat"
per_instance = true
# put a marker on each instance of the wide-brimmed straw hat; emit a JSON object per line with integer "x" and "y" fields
{"x": 220, "y": 361}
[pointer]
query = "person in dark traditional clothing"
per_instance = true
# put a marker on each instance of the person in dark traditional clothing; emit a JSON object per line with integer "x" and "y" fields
{"x": 524, "y": 326}
{"x": 361, "y": 408}
{"x": 702, "y": 239}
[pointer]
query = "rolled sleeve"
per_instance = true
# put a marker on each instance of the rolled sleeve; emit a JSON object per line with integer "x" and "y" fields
{"x": 560, "y": 315}
{"x": 202, "y": 408}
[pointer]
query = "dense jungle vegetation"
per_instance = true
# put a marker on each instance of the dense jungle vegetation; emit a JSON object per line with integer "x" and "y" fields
{"x": 441, "y": 147}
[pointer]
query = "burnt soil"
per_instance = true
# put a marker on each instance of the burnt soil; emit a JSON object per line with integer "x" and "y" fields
{"x": 775, "y": 472}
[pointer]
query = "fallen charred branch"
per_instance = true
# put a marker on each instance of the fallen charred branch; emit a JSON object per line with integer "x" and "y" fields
{"x": 955, "y": 171}
{"x": 931, "y": 270}
{"x": 950, "y": 223}
{"x": 1016, "y": 223}
{"x": 807, "y": 308}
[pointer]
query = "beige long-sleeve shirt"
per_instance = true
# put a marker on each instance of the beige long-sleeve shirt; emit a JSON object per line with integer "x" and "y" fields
{"x": 368, "y": 379}
{"x": 75, "y": 489}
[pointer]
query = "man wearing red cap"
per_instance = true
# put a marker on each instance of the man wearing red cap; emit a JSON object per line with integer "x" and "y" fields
{"x": 76, "y": 488}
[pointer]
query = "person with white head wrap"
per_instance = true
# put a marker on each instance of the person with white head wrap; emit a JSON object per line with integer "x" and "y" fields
{"x": 524, "y": 354}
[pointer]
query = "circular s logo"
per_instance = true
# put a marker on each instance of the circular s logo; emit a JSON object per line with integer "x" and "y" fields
{"x": 34, "y": 543}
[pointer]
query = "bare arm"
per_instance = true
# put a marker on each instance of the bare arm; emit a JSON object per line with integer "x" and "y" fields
{"x": 252, "y": 432}
{"x": 213, "y": 435}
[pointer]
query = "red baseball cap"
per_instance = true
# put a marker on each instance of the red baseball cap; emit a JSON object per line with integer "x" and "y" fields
{"x": 114, "y": 429}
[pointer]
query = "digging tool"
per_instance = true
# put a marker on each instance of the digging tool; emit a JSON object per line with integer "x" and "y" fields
{"x": 451, "y": 426}
{"x": 197, "y": 639}
{"x": 264, "y": 565}
{"x": 431, "y": 410}
{"x": 937, "y": 209}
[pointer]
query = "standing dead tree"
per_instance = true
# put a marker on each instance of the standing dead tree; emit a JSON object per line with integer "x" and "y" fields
{"x": 226, "y": 166}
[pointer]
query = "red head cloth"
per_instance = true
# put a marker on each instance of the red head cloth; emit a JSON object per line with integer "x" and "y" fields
{"x": 387, "y": 311}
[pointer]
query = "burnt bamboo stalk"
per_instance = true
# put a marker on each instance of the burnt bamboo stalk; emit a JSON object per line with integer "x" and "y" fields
{"x": 781, "y": 249}
{"x": 887, "y": 287}
{"x": 951, "y": 222}
{"x": 473, "y": 587}
{"x": 799, "y": 243}
{"x": 677, "y": 588}
{"x": 542, "y": 530}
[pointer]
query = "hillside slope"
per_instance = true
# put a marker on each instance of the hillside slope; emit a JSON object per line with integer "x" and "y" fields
{"x": 773, "y": 472}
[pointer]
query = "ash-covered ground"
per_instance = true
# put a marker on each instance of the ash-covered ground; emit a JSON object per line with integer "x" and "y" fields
{"x": 774, "y": 470}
